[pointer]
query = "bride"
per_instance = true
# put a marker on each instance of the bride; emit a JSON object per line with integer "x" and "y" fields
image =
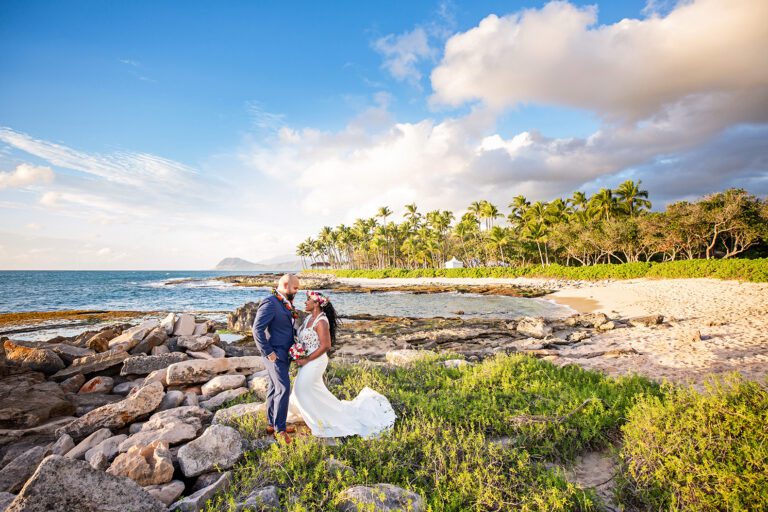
{"x": 369, "y": 414}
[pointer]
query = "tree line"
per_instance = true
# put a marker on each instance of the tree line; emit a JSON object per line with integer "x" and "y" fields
{"x": 611, "y": 226}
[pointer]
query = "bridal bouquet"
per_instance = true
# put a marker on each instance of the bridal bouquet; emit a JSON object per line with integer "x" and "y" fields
{"x": 297, "y": 351}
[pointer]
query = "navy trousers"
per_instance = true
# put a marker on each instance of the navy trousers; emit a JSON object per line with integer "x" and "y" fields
{"x": 278, "y": 391}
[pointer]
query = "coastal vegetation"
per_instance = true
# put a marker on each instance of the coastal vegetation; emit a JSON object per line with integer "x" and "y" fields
{"x": 500, "y": 435}
{"x": 612, "y": 226}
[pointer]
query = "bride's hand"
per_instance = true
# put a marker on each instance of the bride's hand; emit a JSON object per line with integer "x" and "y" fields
{"x": 301, "y": 362}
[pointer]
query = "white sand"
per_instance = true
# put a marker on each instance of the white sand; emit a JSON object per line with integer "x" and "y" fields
{"x": 732, "y": 318}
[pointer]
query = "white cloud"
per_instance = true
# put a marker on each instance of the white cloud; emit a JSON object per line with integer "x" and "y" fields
{"x": 402, "y": 53}
{"x": 629, "y": 70}
{"x": 262, "y": 119}
{"x": 25, "y": 175}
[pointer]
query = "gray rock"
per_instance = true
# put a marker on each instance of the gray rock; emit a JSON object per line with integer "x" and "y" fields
{"x": 262, "y": 499}
{"x": 378, "y": 497}
{"x": 197, "y": 371}
{"x": 185, "y": 325}
{"x": 173, "y": 432}
{"x": 133, "y": 336}
{"x": 197, "y": 343}
{"x": 160, "y": 419}
{"x": 73, "y": 384}
{"x": 91, "y": 364}
{"x": 216, "y": 352}
{"x": 196, "y": 502}
{"x": 222, "y": 383}
{"x": 535, "y": 327}
{"x": 101, "y": 455}
{"x": 171, "y": 400}
{"x": 160, "y": 376}
{"x": 190, "y": 399}
{"x": 62, "y": 445}
{"x": 144, "y": 365}
{"x": 61, "y": 484}
{"x": 166, "y": 493}
{"x": 5, "y": 499}
{"x": 155, "y": 338}
{"x": 125, "y": 387}
{"x": 230, "y": 414}
{"x": 160, "y": 350}
{"x": 27, "y": 400}
{"x": 225, "y": 396}
{"x": 220, "y": 447}
{"x": 93, "y": 440}
{"x": 33, "y": 359}
{"x": 258, "y": 384}
{"x": 117, "y": 415}
{"x": 85, "y": 403}
{"x": 168, "y": 322}
{"x": 14, "y": 475}
{"x": 335, "y": 467}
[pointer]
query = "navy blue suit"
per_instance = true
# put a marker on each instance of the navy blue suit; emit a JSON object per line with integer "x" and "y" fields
{"x": 273, "y": 331}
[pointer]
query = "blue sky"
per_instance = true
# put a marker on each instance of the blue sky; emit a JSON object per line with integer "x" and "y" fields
{"x": 127, "y": 124}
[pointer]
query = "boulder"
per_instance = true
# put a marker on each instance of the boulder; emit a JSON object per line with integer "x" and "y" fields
{"x": 222, "y": 383}
{"x": 378, "y": 497}
{"x": 222, "y": 398}
{"x": 87, "y": 402}
{"x": 230, "y": 414}
{"x": 5, "y": 499}
{"x": 220, "y": 447}
{"x": 197, "y": 371}
{"x": 27, "y": 400}
{"x": 190, "y": 399}
{"x": 117, "y": 415}
{"x": 241, "y": 320}
{"x": 646, "y": 321}
{"x": 160, "y": 419}
{"x": 592, "y": 319}
{"x": 607, "y": 326}
{"x": 144, "y": 365}
{"x": 171, "y": 400}
{"x": 33, "y": 359}
{"x": 262, "y": 499}
{"x": 132, "y": 336}
{"x": 173, "y": 432}
{"x": 125, "y": 387}
{"x": 196, "y": 502}
{"x": 145, "y": 465}
{"x": 91, "y": 364}
{"x": 93, "y": 440}
{"x": 73, "y": 384}
{"x": 258, "y": 384}
{"x": 197, "y": 343}
{"x": 168, "y": 322}
{"x": 199, "y": 355}
{"x": 62, "y": 445}
{"x": 155, "y": 338}
{"x": 336, "y": 467}
{"x": 101, "y": 455}
{"x": 100, "y": 342}
{"x": 535, "y": 327}
{"x": 67, "y": 353}
{"x": 166, "y": 493}
{"x": 61, "y": 484}
{"x": 215, "y": 351}
{"x": 160, "y": 376}
{"x": 14, "y": 475}
{"x": 160, "y": 350}
{"x": 185, "y": 325}
{"x": 98, "y": 385}
{"x": 405, "y": 357}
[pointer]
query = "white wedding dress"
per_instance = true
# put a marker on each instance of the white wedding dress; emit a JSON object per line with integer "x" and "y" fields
{"x": 369, "y": 414}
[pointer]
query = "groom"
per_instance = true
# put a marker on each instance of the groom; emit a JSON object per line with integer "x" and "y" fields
{"x": 273, "y": 332}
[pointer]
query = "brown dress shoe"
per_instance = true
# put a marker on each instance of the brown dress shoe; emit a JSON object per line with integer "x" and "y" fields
{"x": 289, "y": 429}
{"x": 284, "y": 436}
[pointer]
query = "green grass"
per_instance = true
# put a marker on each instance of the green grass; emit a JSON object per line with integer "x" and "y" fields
{"x": 698, "y": 451}
{"x": 441, "y": 445}
{"x": 755, "y": 270}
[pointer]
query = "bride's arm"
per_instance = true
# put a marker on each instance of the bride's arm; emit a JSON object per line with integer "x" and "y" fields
{"x": 324, "y": 335}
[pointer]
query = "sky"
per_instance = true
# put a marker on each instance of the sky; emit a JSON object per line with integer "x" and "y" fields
{"x": 170, "y": 135}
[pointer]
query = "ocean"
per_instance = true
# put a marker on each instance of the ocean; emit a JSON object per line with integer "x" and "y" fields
{"x": 171, "y": 291}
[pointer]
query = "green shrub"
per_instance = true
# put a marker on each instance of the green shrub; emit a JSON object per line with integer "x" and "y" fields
{"x": 698, "y": 451}
{"x": 755, "y": 270}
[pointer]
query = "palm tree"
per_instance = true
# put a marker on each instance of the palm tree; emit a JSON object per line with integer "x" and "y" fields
{"x": 537, "y": 232}
{"x": 579, "y": 201}
{"x": 412, "y": 215}
{"x": 489, "y": 212}
{"x": 632, "y": 198}
{"x": 498, "y": 237}
{"x": 603, "y": 204}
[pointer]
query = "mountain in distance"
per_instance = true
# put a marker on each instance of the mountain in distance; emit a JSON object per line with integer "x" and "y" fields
{"x": 239, "y": 264}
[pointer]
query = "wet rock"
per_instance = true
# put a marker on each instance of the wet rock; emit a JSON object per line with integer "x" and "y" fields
{"x": 222, "y": 383}
{"x": 263, "y": 499}
{"x": 197, "y": 343}
{"x": 33, "y": 359}
{"x": 230, "y": 414}
{"x": 535, "y": 327}
{"x": 92, "y": 364}
{"x": 61, "y": 484}
{"x": 185, "y": 325}
{"x": 197, "y": 371}
{"x": 145, "y": 465}
{"x": 378, "y": 497}
{"x": 143, "y": 365}
{"x": 646, "y": 321}
{"x": 133, "y": 336}
{"x": 196, "y": 502}
{"x": 27, "y": 400}
{"x": 73, "y": 384}
{"x": 222, "y": 398}
{"x": 93, "y": 440}
{"x": 166, "y": 493}
{"x": 220, "y": 447}
{"x": 117, "y": 415}
{"x": 101, "y": 455}
{"x": 98, "y": 385}
{"x": 15, "y": 474}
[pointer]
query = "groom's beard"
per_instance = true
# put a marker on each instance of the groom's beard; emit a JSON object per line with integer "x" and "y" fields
{"x": 290, "y": 296}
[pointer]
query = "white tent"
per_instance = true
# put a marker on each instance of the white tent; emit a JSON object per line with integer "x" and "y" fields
{"x": 453, "y": 263}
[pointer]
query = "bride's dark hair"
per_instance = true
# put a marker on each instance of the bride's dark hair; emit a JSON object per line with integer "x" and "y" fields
{"x": 333, "y": 319}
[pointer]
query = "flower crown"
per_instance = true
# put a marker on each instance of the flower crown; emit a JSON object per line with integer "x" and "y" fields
{"x": 319, "y": 298}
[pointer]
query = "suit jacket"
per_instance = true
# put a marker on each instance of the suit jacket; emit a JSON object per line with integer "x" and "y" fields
{"x": 273, "y": 328}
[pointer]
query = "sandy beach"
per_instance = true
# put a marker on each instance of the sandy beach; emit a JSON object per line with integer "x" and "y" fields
{"x": 710, "y": 326}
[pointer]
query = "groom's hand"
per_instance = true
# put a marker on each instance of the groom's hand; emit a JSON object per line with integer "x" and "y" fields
{"x": 272, "y": 357}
